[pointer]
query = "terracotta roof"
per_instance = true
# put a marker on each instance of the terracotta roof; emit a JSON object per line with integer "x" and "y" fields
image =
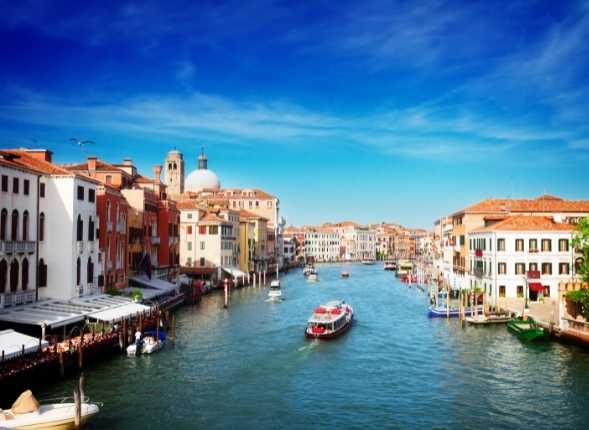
{"x": 242, "y": 193}
{"x": 248, "y": 214}
{"x": 188, "y": 204}
{"x": 100, "y": 165}
{"x": 10, "y": 161}
{"x": 211, "y": 217}
{"x": 28, "y": 161}
{"x": 543, "y": 203}
{"x": 527, "y": 223}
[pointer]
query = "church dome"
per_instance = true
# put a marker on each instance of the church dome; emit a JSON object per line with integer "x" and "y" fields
{"x": 203, "y": 178}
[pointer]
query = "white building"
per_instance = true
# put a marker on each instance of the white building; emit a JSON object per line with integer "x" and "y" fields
{"x": 69, "y": 259}
{"x": 217, "y": 240}
{"x": 522, "y": 257}
{"x": 290, "y": 250}
{"x": 18, "y": 230}
{"x": 322, "y": 244}
{"x": 190, "y": 215}
{"x": 359, "y": 243}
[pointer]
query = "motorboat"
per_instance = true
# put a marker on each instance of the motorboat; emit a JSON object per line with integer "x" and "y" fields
{"x": 390, "y": 265}
{"x": 368, "y": 262}
{"x": 275, "y": 292}
{"x": 152, "y": 342}
{"x": 443, "y": 312}
{"x": 309, "y": 269}
{"x": 28, "y": 413}
{"x": 345, "y": 274}
{"x": 313, "y": 277}
{"x": 527, "y": 330}
{"x": 330, "y": 320}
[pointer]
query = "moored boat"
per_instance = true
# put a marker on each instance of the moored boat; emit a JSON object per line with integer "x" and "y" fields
{"x": 27, "y": 413}
{"x": 345, "y": 274}
{"x": 390, "y": 265}
{"x": 330, "y": 320}
{"x": 309, "y": 268}
{"x": 368, "y": 262}
{"x": 443, "y": 312}
{"x": 313, "y": 277}
{"x": 152, "y": 342}
{"x": 488, "y": 319}
{"x": 527, "y": 330}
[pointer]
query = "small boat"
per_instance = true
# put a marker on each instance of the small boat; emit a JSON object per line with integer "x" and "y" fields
{"x": 527, "y": 330}
{"x": 151, "y": 342}
{"x": 368, "y": 262}
{"x": 330, "y": 320}
{"x": 308, "y": 270}
{"x": 275, "y": 292}
{"x": 345, "y": 274}
{"x": 313, "y": 277}
{"x": 488, "y": 319}
{"x": 27, "y": 413}
{"x": 442, "y": 311}
{"x": 390, "y": 265}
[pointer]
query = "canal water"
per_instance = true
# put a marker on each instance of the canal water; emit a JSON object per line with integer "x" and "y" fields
{"x": 250, "y": 367}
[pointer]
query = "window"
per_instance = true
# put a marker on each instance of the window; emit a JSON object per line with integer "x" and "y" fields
{"x": 563, "y": 245}
{"x": 202, "y": 246}
{"x": 500, "y": 244}
{"x": 533, "y": 267}
{"x": 5, "y": 183}
{"x": 78, "y": 268}
{"x": 251, "y": 204}
{"x": 546, "y": 245}
{"x": 189, "y": 215}
{"x": 189, "y": 229}
{"x": 3, "y": 221}
{"x": 547, "y": 268}
{"x": 519, "y": 245}
{"x": 3, "y": 275}
{"x": 15, "y": 185}
{"x": 80, "y": 192}
{"x": 41, "y": 189}
{"x": 24, "y": 278}
{"x": 42, "y": 227}
{"x": 546, "y": 290}
{"x": 80, "y": 229}
{"x": 202, "y": 229}
{"x": 42, "y": 273}
{"x": 91, "y": 195}
{"x": 25, "y": 225}
{"x": 202, "y": 261}
{"x": 108, "y": 179}
{"x": 462, "y": 240}
{"x": 563, "y": 268}
{"x": 14, "y": 226}
{"x": 213, "y": 229}
{"x": 520, "y": 291}
{"x": 520, "y": 268}
{"x": 501, "y": 268}
{"x": 26, "y": 187}
{"x": 189, "y": 246}
{"x": 14, "y": 276}
{"x": 269, "y": 204}
{"x": 90, "y": 230}
{"x": 501, "y": 290}
{"x": 90, "y": 271}
{"x": 533, "y": 245}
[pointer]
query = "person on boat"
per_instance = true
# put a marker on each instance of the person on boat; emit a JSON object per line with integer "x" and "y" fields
{"x": 138, "y": 338}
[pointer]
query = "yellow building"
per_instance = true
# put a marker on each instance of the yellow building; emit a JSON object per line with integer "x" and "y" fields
{"x": 253, "y": 234}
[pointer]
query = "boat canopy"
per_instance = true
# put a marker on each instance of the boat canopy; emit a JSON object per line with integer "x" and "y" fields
{"x": 119, "y": 313}
{"x": 12, "y": 342}
{"x": 151, "y": 288}
{"x": 234, "y": 272}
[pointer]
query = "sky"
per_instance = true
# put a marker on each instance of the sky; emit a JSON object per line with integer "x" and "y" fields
{"x": 373, "y": 111}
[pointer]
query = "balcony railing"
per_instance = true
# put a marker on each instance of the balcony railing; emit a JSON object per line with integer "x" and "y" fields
{"x": 20, "y": 246}
{"x": 18, "y": 298}
{"x": 478, "y": 272}
{"x": 80, "y": 247}
{"x": 88, "y": 289}
{"x": 155, "y": 240}
{"x": 121, "y": 227}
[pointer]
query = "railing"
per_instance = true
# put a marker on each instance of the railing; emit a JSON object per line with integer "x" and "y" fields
{"x": 9, "y": 247}
{"x": 80, "y": 247}
{"x": 23, "y": 246}
{"x": 155, "y": 240}
{"x": 581, "y": 327}
{"x": 108, "y": 226}
{"x": 18, "y": 298}
{"x": 88, "y": 289}
{"x": 121, "y": 227}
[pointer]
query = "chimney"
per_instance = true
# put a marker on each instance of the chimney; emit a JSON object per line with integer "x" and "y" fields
{"x": 127, "y": 162}
{"x": 92, "y": 163}
{"x": 157, "y": 173}
{"x": 41, "y": 154}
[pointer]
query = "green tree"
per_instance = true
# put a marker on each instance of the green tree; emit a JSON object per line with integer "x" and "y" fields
{"x": 581, "y": 242}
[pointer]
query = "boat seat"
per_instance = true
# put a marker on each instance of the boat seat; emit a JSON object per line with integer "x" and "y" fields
{"x": 6, "y": 415}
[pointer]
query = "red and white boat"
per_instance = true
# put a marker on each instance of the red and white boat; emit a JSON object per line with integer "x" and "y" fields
{"x": 330, "y": 320}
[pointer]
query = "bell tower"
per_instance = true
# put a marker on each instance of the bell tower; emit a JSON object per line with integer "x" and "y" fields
{"x": 174, "y": 172}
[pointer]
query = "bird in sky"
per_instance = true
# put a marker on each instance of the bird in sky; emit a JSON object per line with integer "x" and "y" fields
{"x": 81, "y": 143}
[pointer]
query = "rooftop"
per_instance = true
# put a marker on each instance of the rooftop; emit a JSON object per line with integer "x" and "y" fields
{"x": 527, "y": 223}
{"x": 544, "y": 203}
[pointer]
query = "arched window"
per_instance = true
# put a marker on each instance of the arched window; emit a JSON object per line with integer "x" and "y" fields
{"x": 90, "y": 229}
{"x": 14, "y": 226}
{"x": 24, "y": 280}
{"x": 90, "y": 271}
{"x": 42, "y": 273}
{"x": 14, "y": 276}
{"x": 3, "y": 220}
{"x": 42, "y": 227}
{"x": 80, "y": 225}
{"x": 78, "y": 269}
{"x": 578, "y": 264}
{"x": 3, "y": 275}
{"x": 25, "y": 225}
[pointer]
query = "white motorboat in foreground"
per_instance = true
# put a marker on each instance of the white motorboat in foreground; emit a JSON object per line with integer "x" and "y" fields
{"x": 313, "y": 277}
{"x": 275, "y": 292}
{"x": 149, "y": 344}
{"x": 330, "y": 320}
{"x": 27, "y": 413}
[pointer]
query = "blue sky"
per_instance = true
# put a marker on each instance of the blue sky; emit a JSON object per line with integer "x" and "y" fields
{"x": 372, "y": 111}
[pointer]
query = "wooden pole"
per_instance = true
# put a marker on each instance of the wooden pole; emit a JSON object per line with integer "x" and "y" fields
{"x": 157, "y": 326}
{"x": 174, "y": 327}
{"x": 226, "y": 294}
{"x": 77, "y": 408}
{"x": 81, "y": 385}
{"x": 80, "y": 355}
{"x": 448, "y": 303}
{"x": 61, "y": 364}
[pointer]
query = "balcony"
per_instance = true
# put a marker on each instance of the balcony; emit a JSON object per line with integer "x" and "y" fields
{"x": 155, "y": 240}
{"x": 18, "y": 298}
{"x": 88, "y": 290}
{"x": 478, "y": 272}
{"x": 80, "y": 247}
{"x": 108, "y": 226}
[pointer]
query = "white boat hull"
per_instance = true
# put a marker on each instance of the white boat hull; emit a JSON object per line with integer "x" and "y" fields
{"x": 59, "y": 416}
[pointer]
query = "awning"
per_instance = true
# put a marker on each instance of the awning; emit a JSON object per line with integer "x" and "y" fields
{"x": 119, "y": 313}
{"x": 12, "y": 342}
{"x": 234, "y": 272}
{"x": 536, "y": 287}
{"x": 152, "y": 288}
